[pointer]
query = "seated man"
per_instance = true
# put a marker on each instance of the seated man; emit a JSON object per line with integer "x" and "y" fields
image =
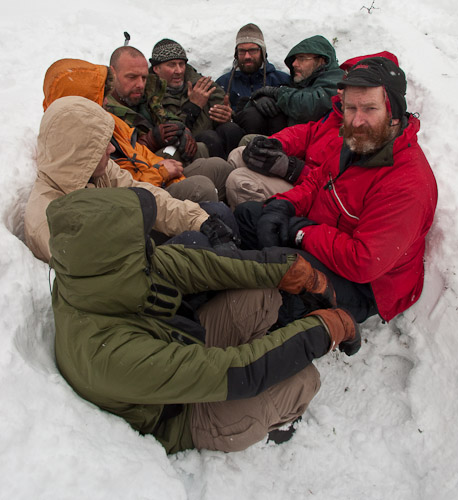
{"x": 195, "y": 182}
{"x": 363, "y": 215}
{"x": 158, "y": 131}
{"x": 194, "y": 380}
{"x": 73, "y": 152}
{"x": 196, "y": 100}
{"x": 251, "y": 70}
{"x": 262, "y": 170}
{"x": 314, "y": 76}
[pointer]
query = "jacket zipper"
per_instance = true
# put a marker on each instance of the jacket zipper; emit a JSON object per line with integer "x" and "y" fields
{"x": 330, "y": 186}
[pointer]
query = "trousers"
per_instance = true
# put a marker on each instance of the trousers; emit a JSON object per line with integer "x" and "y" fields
{"x": 232, "y": 318}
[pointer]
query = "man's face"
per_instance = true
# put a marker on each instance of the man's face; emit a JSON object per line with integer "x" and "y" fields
{"x": 366, "y": 121}
{"x": 305, "y": 64}
{"x": 172, "y": 72}
{"x": 102, "y": 166}
{"x": 130, "y": 78}
{"x": 249, "y": 56}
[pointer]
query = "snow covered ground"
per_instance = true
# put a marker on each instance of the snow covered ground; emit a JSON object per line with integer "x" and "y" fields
{"x": 383, "y": 425}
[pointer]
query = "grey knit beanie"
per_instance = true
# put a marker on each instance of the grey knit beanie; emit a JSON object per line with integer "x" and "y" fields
{"x": 166, "y": 50}
{"x": 250, "y": 33}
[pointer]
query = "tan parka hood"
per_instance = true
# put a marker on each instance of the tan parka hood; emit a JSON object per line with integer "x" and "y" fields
{"x": 74, "y": 135}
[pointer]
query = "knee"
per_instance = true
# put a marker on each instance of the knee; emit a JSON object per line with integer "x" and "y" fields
{"x": 235, "y": 157}
{"x": 200, "y": 188}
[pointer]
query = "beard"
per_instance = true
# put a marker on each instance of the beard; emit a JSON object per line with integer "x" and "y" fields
{"x": 131, "y": 101}
{"x": 252, "y": 68}
{"x": 365, "y": 140}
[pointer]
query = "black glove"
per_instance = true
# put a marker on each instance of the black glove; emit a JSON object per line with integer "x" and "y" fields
{"x": 219, "y": 233}
{"x": 272, "y": 227}
{"x": 266, "y": 91}
{"x": 187, "y": 146}
{"x": 295, "y": 224}
{"x": 266, "y": 106}
{"x": 266, "y": 156}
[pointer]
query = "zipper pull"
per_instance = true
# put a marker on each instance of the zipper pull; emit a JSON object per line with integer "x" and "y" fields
{"x": 329, "y": 185}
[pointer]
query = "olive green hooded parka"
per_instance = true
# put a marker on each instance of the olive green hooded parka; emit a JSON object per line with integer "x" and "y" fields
{"x": 120, "y": 342}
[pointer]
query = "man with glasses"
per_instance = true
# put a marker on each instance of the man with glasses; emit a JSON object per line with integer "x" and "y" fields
{"x": 250, "y": 70}
{"x": 314, "y": 75}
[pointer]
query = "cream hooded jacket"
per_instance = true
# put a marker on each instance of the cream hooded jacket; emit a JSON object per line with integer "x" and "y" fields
{"x": 73, "y": 137}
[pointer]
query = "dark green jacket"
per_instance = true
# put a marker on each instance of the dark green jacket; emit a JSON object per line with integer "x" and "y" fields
{"x": 119, "y": 340}
{"x": 310, "y": 99}
{"x": 176, "y": 102}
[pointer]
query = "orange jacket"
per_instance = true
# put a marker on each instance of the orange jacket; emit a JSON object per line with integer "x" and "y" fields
{"x": 74, "y": 77}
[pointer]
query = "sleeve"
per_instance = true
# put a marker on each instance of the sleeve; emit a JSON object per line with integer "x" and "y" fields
{"x": 295, "y": 140}
{"x": 392, "y": 220}
{"x": 173, "y": 216}
{"x": 145, "y": 370}
{"x": 303, "y": 194}
{"x": 307, "y": 104}
{"x": 196, "y": 269}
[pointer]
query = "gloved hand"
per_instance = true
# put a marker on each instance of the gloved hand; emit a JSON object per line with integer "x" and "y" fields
{"x": 171, "y": 132}
{"x": 295, "y": 224}
{"x": 162, "y": 135}
{"x": 187, "y": 146}
{"x": 267, "y": 106}
{"x": 272, "y": 227}
{"x": 266, "y": 91}
{"x": 266, "y": 156}
{"x": 168, "y": 133}
{"x": 219, "y": 233}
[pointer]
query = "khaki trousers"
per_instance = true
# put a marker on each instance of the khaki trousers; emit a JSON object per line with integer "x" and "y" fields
{"x": 245, "y": 185}
{"x": 232, "y": 318}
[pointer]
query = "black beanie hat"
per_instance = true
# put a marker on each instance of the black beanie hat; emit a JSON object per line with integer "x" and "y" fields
{"x": 380, "y": 72}
{"x": 166, "y": 50}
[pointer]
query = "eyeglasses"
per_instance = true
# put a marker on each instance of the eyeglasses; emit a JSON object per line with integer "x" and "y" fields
{"x": 252, "y": 52}
{"x": 306, "y": 58}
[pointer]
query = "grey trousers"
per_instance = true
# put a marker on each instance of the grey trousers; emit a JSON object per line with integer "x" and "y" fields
{"x": 205, "y": 181}
{"x": 232, "y": 318}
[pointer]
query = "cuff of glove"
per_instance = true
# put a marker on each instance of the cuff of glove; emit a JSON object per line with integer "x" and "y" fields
{"x": 295, "y": 167}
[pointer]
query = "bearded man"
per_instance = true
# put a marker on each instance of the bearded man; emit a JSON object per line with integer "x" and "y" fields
{"x": 250, "y": 70}
{"x": 315, "y": 73}
{"x": 364, "y": 198}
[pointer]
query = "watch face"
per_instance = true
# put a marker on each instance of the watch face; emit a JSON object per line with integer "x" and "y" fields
{"x": 299, "y": 237}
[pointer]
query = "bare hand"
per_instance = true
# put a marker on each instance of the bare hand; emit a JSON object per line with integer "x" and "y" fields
{"x": 221, "y": 113}
{"x": 202, "y": 90}
{"x": 174, "y": 168}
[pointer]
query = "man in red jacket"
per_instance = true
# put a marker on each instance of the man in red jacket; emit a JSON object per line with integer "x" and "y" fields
{"x": 363, "y": 215}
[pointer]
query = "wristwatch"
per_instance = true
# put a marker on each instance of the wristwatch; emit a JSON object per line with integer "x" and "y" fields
{"x": 299, "y": 238}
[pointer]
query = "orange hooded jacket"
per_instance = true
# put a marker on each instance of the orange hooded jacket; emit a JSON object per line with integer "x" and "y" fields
{"x": 74, "y": 77}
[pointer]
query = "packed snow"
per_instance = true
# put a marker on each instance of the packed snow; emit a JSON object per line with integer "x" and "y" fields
{"x": 383, "y": 425}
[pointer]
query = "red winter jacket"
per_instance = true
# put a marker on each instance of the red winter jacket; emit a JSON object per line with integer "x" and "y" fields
{"x": 372, "y": 218}
{"x": 311, "y": 141}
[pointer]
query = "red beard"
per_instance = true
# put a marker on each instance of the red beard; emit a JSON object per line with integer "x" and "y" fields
{"x": 365, "y": 140}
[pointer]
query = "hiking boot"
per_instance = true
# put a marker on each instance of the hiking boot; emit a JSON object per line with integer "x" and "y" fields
{"x": 284, "y": 433}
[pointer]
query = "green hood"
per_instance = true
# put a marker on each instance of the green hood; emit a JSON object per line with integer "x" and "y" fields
{"x": 102, "y": 252}
{"x": 314, "y": 45}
